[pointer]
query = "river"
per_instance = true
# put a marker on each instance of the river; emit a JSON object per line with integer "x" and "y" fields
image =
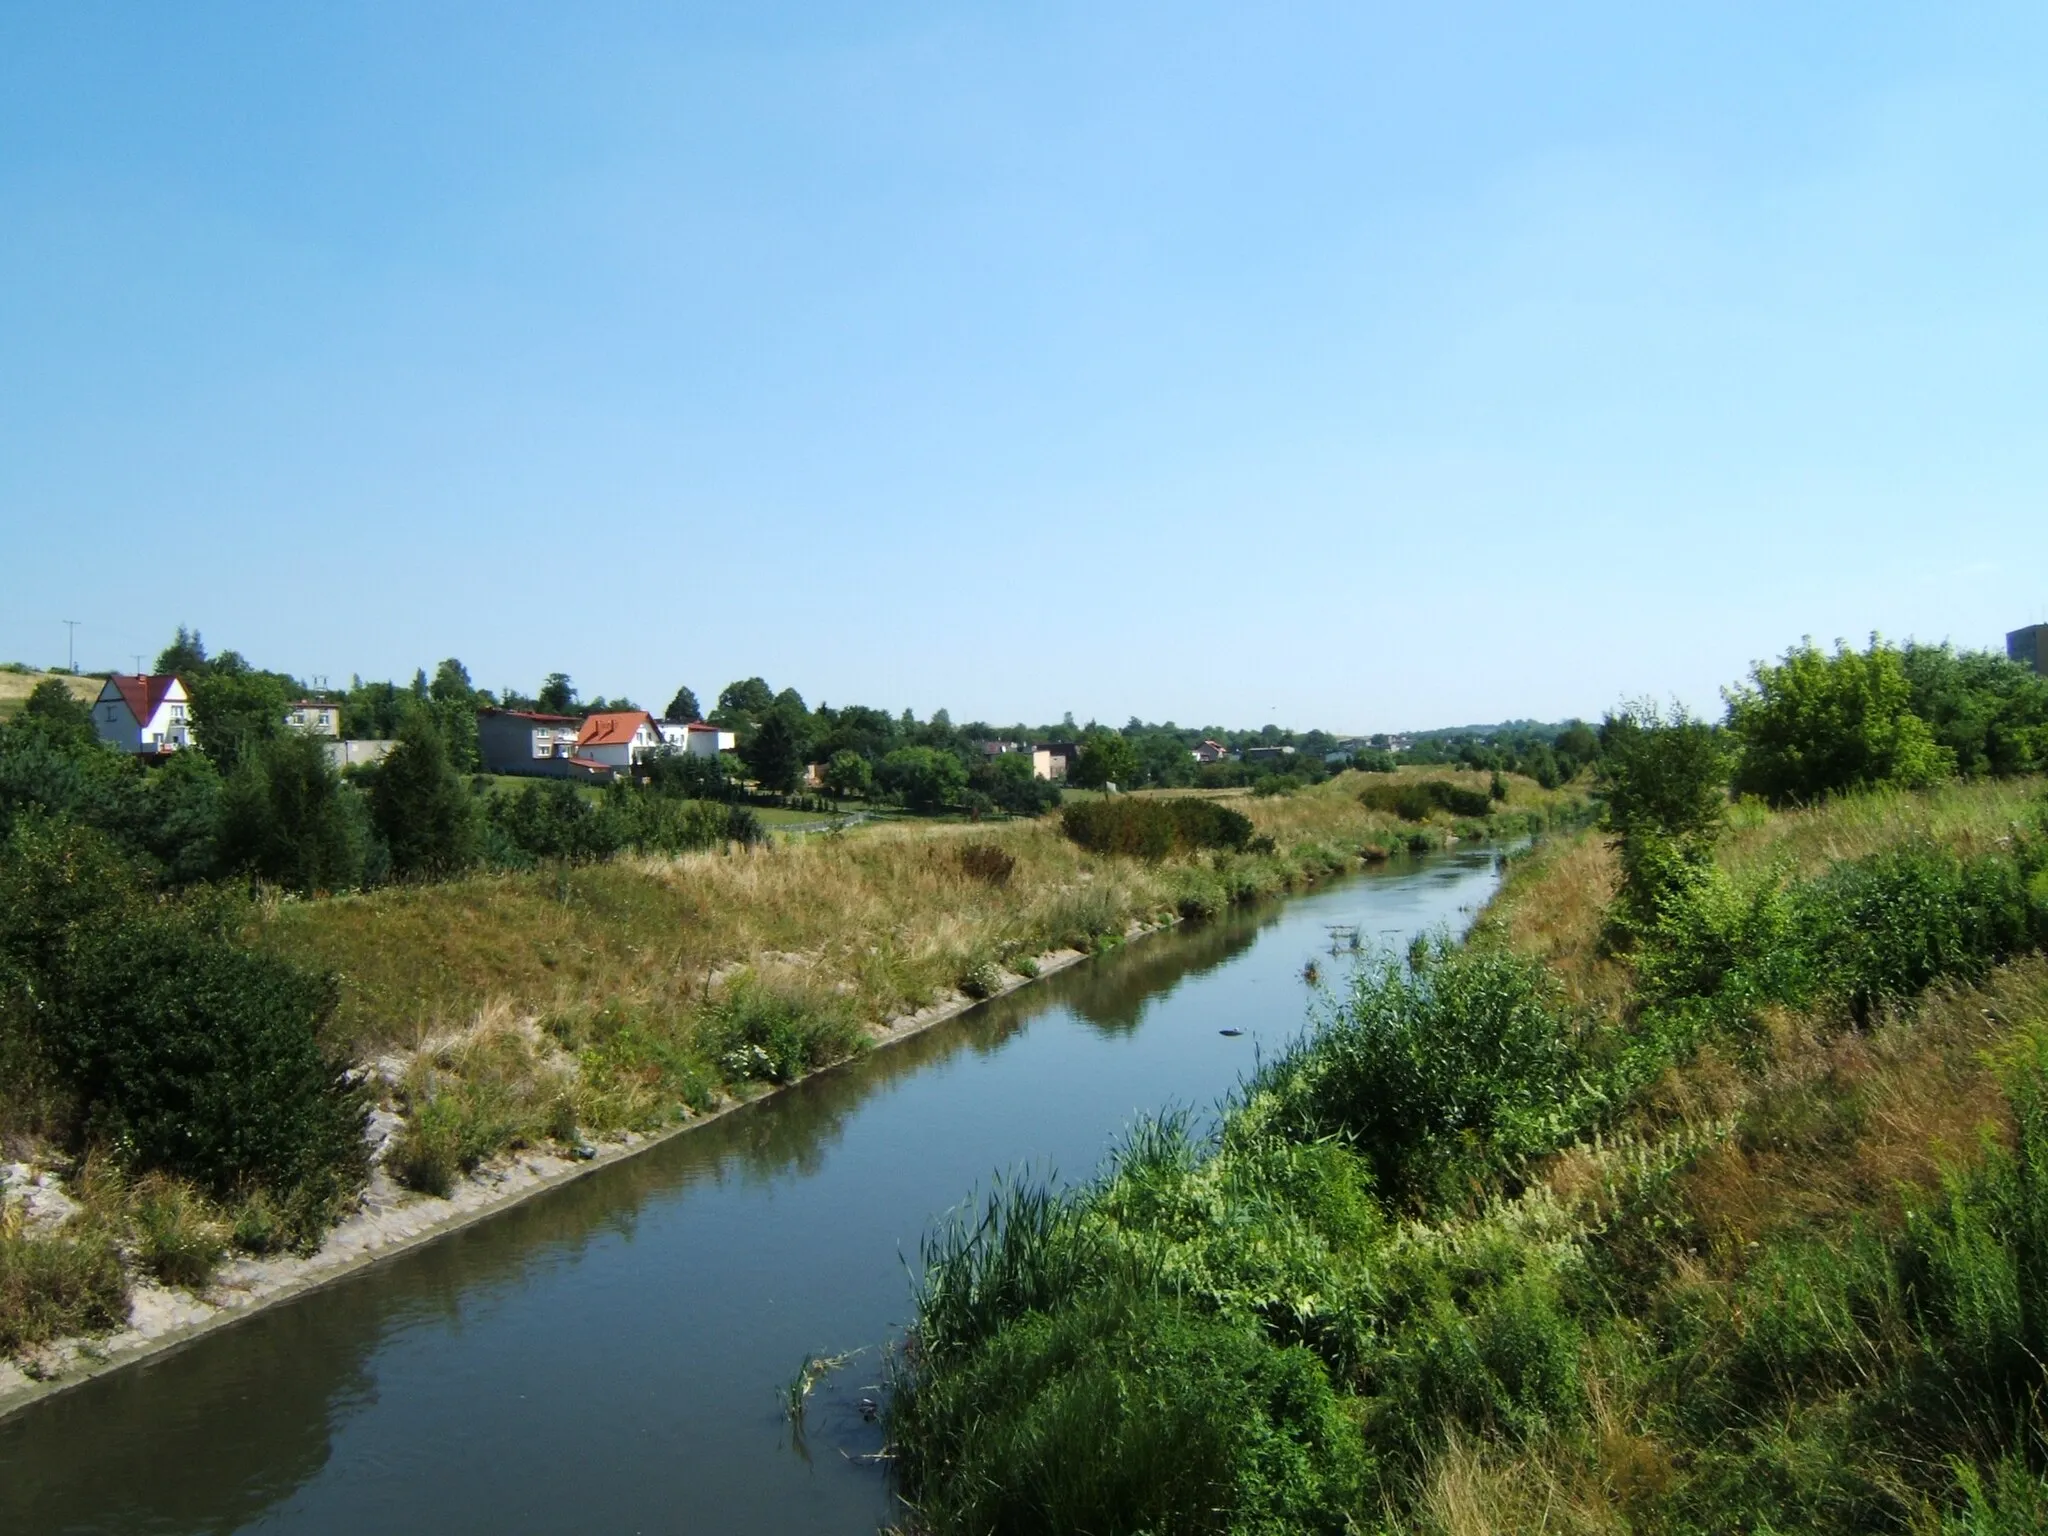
{"x": 611, "y": 1355}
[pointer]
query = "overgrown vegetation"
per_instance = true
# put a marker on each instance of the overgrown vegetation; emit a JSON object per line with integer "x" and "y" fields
{"x": 1736, "y": 1224}
{"x": 1153, "y": 829}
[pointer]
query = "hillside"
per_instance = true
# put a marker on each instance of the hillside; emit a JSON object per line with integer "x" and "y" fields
{"x": 17, "y": 685}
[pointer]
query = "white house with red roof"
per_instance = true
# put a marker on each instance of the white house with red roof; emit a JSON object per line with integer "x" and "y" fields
{"x": 143, "y": 714}
{"x": 617, "y": 739}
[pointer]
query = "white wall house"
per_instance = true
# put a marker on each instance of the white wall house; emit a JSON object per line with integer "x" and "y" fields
{"x": 696, "y": 738}
{"x": 143, "y": 714}
{"x": 315, "y": 717}
{"x": 618, "y": 739}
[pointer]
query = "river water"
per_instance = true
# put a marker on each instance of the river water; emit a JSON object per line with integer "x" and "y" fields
{"x": 611, "y": 1355}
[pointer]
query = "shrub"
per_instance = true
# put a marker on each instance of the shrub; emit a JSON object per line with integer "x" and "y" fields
{"x": 55, "y": 1285}
{"x": 987, "y": 863}
{"x": 552, "y": 820}
{"x": 1461, "y": 1066}
{"x": 1416, "y": 799}
{"x": 1154, "y": 829}
{"x": 198, "y": 1058}
{"x": 983, "y": 980}
{"x": 1128, "y": 1413}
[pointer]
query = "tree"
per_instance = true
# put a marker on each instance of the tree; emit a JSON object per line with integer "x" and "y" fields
{"x": 1816, "y": 725}
{"x": 1661, "y": 773}
{"x": 184, "y": 657}
{"x": 557, "y": 695}
{"x": 1988, "y": 710}
{"x": 422, "y": 806}
{"x": 58, "y": 715}
{"x": 743, "y": 704}
{"x": 235, "y": 711}
{"x": 287, "y": 818}
{"x": 451, "y": 684}
{"x": 775, "y": 755}
{"x": 1012, "y": 785}
{"x": 683, "y": 706}
{"x": 848, "y": 775}
{"x": 1106, "y": 758}
{"x": 927, "y": 778}
{"x": 1661, "y": 779}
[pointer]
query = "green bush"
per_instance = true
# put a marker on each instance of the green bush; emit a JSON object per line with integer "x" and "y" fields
{"x": 201, "y": 1059}
{"x": 1463, "y": 1067}
{"x": 1155, "y": 829}
{"x": 1131, "y": 1413}
{"x": 1418, "y": 799}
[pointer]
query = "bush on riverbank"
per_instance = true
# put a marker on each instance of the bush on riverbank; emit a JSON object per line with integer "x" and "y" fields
{"x": 1718, "y": 1248}
{"x": 1418, "y": 799}
{"x": 140, "y": 1026}
{"x": 1155, "y": 828}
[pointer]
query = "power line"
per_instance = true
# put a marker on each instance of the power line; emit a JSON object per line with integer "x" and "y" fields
{"x": 71, "y": 644}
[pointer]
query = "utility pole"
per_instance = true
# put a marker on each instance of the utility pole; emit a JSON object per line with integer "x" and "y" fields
{"x": 71, "y": 644}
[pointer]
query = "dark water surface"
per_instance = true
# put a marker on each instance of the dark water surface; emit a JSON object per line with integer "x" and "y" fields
{"x": 609, "y": 1356}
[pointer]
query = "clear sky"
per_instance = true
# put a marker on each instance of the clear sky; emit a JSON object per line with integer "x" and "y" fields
{"x": 1366, "y": 366}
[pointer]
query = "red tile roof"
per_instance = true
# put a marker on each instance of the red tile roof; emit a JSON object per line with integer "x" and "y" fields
{"x": 143, "y": 695}
{"x": 613, "y": 727}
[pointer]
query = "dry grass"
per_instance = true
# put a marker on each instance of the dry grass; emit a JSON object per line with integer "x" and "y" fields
{"x": 1552, "y": 909}
{"x": 1846, "y": 1125}
{"x": 1969, "y": 817}
{"x": 15, "y": 687}
{"x": 892, "y": 916}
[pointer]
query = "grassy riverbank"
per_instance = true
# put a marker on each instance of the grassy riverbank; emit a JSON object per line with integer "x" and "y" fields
{"x": 1732, "y": 1220}
{"x": 553, "y": 1007}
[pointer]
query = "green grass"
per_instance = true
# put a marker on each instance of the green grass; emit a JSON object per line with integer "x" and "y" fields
{"x": 1758, "y": 1241}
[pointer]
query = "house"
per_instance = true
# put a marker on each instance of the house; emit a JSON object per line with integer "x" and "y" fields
{"x": 616, "y": 739}
{"x": 2029, "y": 647}
{"x": 357, "y": 754}
{"x": 696, "y": 737}
{"x": 524, "y": 741}
{"x": 1058, "y": 758}
{"x": 314, "y": 717}
{"x": 1208, "y": 751}
{"x": 143, "y": 714}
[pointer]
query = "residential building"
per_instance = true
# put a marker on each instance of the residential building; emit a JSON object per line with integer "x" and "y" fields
{"x": 146, "y": 715}
{"x": 696, "y": 737}
{"x": 1207, "y": 751}
{"x": 1059, "y": 759}
{"x": 617, "y": 739}
{"x": 2029, "y": 647}
{"x": 315, "y": 717}
{"x": 527, "y": 742}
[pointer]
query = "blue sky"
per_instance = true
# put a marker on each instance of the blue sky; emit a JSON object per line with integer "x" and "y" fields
{"x": 1364, "y": 366}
